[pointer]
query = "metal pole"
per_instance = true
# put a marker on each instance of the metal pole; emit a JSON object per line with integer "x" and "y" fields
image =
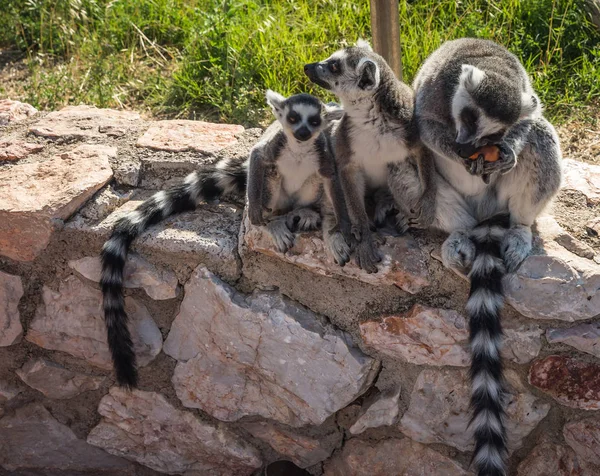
{"x": 385, "y": 26}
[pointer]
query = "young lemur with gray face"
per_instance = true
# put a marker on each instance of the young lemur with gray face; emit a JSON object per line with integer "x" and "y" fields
{"x": 499, "y": 165}
{"x": 291, "y": 184}
{"x": 374, "y": 141}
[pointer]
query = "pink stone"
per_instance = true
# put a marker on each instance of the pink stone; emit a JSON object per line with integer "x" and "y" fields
{"x": 15, "y": 111}
{"x": 584, "y": 437}
{"x": 11, "y": 291}
{"x": 556, "y": 460}
{"x": 14, "y": 150}
{"x": 584, "y": 178}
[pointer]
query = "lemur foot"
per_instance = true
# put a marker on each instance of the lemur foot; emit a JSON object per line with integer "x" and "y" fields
{"x": 402, "y": 223}
{"x": 367, "y": 255}
{"x": 303, "y": 219}
{"x": 458, "y": 251}
{"x": 384, "y": 206}
{"x": 338, "y": 248}
{"x": 282, "y": 237}
{"x": 515, "y": 247}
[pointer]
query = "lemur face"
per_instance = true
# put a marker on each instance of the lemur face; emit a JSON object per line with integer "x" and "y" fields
{"x": 348, "y": 72}
{"x": 300, "y": 115}
{"x": 485, "y": 107}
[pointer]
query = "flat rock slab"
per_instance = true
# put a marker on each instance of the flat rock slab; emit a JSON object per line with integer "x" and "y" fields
{"x": 33, "y": 196}
{"x": 403, "y": 264}
{"x": 556, "y": 460}
{"x": 82, "y": 122}
{"x": 381, "y": 410}
{"x": 570, "y": 381}
{"x": 32, "y": 439}
{"x": 159, "y": 283}
{"x": 144, "y": 427}
{"x": 583, "y": 337}
{"x": 208, "y": 236}
{"x": 584, "y": 178}
{"x": 15, "y": 149}
{"x": 583, "y": 437}
{"x": 261, "y": 355}
{"x": 11, "y": 292}
{"x": 390, "y": 457}
{"x": 183, "y": 135}
{"x": 439, "y": 410}
{"x": 15, "y": 111}
{"x": 422, "y": 336}
{"x": 72, "y": 320}
{"x": 522, "y": 343}
{"x": 302, "y": 450}
{"x": 55, "y": 381}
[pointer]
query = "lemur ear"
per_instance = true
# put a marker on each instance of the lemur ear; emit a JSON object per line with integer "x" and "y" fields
{"x": 275, "y": 100}
{"x": 363, "y": 44}
{"x": 369, "y": 74}
{"x": 530, "y": 105}
{"x": 471, "y": 77}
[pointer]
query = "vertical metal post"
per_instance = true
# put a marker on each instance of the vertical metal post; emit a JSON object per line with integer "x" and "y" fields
{"x": 385, "y": 26}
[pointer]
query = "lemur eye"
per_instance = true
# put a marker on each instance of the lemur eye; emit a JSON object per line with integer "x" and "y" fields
{"x": 314, "y": 121}
{"x": 293, "y": 117}
{"x": 334, "y": 66}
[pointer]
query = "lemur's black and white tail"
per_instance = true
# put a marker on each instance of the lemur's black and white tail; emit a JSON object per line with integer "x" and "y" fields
{"x": 486, "y": 298}
{"x": 228, "y": 177}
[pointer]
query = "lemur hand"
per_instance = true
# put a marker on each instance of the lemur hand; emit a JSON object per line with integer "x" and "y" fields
{"x": 507, "y": 159}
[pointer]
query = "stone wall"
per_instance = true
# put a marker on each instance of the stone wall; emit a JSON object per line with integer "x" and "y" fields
{"x": 248, "y": 356}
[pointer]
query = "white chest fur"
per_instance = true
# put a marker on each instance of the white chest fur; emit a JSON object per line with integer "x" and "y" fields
{"x": 456, "y": 174}
{"x": 296, "y": 167}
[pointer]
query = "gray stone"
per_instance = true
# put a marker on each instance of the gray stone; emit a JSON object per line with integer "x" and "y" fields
{"x": 8, "y": 391}
{"x": 32, "y": 439}
{"x": 549, "y": 229}
{"x": 381, "y": 410}
{"x": 593, "y": 226}
{"x": 582, "y": 177}
{"x": 390, "y": 457}
{"x": 522, "y": 344}
{"x": 55, "y": 381}
{"x": 15, "y": 111}
{"x": 11, "y": 292}
{"x": 303, "y": 450}
{"x": 584, "y": 437}
{"x": 439, "y": 410}
{"x": 159, "y": 283}
{"x": 104, "y": 203}
{"x": 403, "y": 263}
{"x": 556, "y": 460}
{"x": 128, "y": 172}
{"x": 82, "y": 122}
{"x": 72, "y": 320}
{"x": 144, "y": 427}
{"x": 261, "y": 355}
{"x": 584, "y": 337}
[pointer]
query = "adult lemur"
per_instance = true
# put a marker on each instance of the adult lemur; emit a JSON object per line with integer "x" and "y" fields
{"x": 290, "y": 172}
{"x": 471, "y": 94}
{"x": 376, "y": 137}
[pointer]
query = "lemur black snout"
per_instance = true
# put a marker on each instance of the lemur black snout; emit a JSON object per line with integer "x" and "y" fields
{"x": 302, "y": 134}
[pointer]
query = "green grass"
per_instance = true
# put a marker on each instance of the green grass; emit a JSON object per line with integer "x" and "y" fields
{"x": 214, "y": 59}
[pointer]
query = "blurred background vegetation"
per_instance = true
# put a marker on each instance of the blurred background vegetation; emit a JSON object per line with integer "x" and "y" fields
{"x": 214, "y": 59}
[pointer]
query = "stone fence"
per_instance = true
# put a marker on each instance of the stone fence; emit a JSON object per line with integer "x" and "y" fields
{"x": 249, "y": 356}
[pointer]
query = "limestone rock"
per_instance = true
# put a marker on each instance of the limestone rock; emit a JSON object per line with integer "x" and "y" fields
{"x": 422, "y": 336}
{"x": 14, "y": 149}
{"x": 583, "y": 437}
{"x": 11, "y": 291}
{"x": 34, "y": 196}
{"x": 382, "y": 410}
{"x": 390, "y": 457}
{"x": 128, "y": 172}
{"x": 8, "y": 391}
{"x": 261, "y": 355}
{"x": 593, "y": 226}
{"x": 522, "y": 344}
{"x": 182, "y": 135}
{"x": 301, "y": 449}
{"x": 15, "y": 111}
{"x": 439, "y": 410}
{"x": 584, "y": 337}
{"x": 159, "y": 283}
{"x": 82, "y": 122}
{"x": 55, "y": 381}
{"x": 403, "y": 263}
{"x": 584, "y": 178}
{"x": 72, "y": 320}
{"x": 104, "y": 203}
{"x": 144, "y": 427}
{"x": 550, "y": 459}
{"x": 571, "y": 382}
{"x": 32, "y": 439}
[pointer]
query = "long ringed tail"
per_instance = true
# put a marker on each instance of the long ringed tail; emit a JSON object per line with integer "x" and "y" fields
{"x": 486, "y": 298}
{"x": 228, "y": 177}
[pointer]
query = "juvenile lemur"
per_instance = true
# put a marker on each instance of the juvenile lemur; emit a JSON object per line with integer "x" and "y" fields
{"x": 291, "y": 184}
{"x": 471, "y": 94}
{"x": 375, "y": 139}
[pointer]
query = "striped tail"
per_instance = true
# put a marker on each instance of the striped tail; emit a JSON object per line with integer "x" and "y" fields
{"x": 486, "y": 298}
{"x": 226, "y": 178}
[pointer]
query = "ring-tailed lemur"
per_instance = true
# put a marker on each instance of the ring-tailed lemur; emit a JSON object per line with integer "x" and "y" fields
{"x": 376, "y": 133}
{"x": 288, "y": 168}
{"x": 473, "y": 93}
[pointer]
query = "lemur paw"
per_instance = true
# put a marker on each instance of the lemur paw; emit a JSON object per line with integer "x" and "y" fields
{"x": 256, "y": 217}
{"x": 303, "y": 219}
{"x": 505, "y": 163}
{"x": 458, "y": 251}
{"x": 424, "y": 219}
{"x": 402, "y": 223}
{"x": 356, "y": 233}
{"x": 367, "y": 255}
{"x": 338, "y": 248}
{"x": 282, "y": 237}
{"x": 383, "y": 208}
{"x": 515, "y": 247}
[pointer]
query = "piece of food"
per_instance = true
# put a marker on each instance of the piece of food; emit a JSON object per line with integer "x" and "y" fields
{"x": 491, "y": 153}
